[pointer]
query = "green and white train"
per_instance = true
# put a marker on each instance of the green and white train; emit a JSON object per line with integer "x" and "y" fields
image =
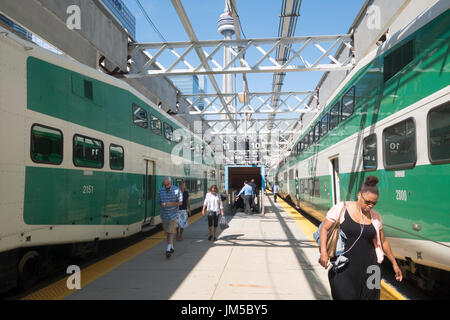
{"x": 83, "y": 158}
{"x": 390, "y": 118}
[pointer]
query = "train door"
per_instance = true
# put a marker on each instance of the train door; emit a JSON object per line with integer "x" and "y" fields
{"x": 149, "y": 190}
{"x": 335, "y": 183}
{"x": 297, "y": 188}
{"x": 205, "y": 183}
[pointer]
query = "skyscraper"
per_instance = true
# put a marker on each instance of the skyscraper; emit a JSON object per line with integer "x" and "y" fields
{"x": 191, "y": 85}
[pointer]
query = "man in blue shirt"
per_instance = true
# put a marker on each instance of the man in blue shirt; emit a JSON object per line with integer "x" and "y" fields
{"x": 276, "y": 189}
{"x": 169, "y": 197}
{"x": 247, "y": 190}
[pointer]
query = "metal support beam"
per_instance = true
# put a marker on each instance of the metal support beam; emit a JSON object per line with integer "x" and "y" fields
{"x": 265, "y": 63}
{"x": 253, "y": 103}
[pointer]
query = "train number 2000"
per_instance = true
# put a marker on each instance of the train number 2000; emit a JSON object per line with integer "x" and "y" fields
{"x": 401, "y": 195}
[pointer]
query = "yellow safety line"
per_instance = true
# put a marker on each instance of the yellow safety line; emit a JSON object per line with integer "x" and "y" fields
{"x": 59, "y": 290}
{"x": 387, "y": 292}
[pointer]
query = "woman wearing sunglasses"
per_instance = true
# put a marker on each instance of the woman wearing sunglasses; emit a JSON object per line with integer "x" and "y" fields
{"x": 365, "y": 247}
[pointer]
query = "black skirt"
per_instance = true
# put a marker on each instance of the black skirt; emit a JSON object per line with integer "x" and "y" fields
{"x": 357, "y": 280}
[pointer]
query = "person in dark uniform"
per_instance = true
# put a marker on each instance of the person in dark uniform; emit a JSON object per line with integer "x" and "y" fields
{"x": 365, "y": 247}
{"x": 252, "y": 202}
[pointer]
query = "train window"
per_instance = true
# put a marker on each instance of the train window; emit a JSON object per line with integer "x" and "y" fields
{"x": 87, "y": 152}
{"x": 439, "y": 134}
{"x": 155, "y": 124}
{"x": 317, "y": 131}
{"x": 46, "y": 145}
{"x": 334, "y": 116}
{"x": 88, "y": 90}
{"x": 348, "y": 104}
{"x": 291, "y": 174}
{"x": 370, "y": 152}
{"x": 140, "y": 116}
{"x": 400, "y": 145}
{"x": 168, "y": 131}
{"x": 324, "y": 124}
{"x": 311, "y": 136}
{"x": 116, "y": 157}
{"x": 398, "y": 59}
{"x": 178, "y": 135}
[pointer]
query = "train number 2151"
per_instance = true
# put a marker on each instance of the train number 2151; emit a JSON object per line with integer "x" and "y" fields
{"x": 88, "y": 189}
{"x": 401, "y": 195}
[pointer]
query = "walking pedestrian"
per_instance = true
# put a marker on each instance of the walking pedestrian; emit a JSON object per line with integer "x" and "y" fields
{"x": 275, "y": 190}
{"x": 247, "y": 191}
{"x": 170, "y": 198}
{"x": 184, "y": 211}
{"x": 365, "y": 246}
{"x": 212, "y": 205}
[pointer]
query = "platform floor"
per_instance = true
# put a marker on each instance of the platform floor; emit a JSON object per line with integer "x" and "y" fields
{"x": 258, "y": 257}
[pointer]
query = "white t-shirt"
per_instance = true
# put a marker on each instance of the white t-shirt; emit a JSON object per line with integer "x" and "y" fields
{"x": 213, "y": 203}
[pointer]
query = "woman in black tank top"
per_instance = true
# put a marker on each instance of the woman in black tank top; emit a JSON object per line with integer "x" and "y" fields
{"x": 359, "y": 278}
{"x": 350, "y": 282}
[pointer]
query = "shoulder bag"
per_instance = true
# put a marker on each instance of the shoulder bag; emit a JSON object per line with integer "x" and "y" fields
{"x": 334, "y": 236}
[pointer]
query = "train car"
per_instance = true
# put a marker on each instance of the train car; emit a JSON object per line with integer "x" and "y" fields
{"x": 83, "y": 158}
{"x": 389, "y": 118}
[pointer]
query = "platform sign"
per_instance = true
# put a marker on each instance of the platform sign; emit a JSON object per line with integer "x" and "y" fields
{"x": 123, "y": 14}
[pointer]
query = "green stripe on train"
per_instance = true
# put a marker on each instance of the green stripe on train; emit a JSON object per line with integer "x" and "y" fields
{"x": 418, "y": 197}
{"x": 71, "y": 197}
{"x": 60, "y": 93}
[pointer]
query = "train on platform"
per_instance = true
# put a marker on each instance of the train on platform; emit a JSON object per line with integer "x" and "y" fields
{"x": 83, "y": 157}
{"x": 389, "y": 118}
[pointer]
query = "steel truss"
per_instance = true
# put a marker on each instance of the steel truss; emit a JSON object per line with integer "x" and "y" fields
{"x": 252, "y": 102}
{"x": 323, "y": 61}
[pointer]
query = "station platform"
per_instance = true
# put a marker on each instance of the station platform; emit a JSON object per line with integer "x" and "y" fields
{"x": 259, "y": 257}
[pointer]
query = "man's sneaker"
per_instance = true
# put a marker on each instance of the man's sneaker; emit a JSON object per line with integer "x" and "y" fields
{"x": 172, "y": 250}
{"x": 168, "y": 254}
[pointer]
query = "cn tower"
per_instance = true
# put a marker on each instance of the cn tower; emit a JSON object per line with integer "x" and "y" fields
{"x": 225, "y": 26}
